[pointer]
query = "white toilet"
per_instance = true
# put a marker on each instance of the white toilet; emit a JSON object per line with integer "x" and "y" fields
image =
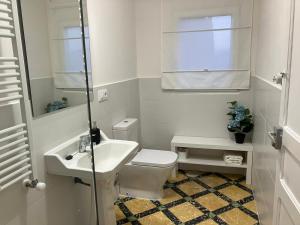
{"x": 146, "y": 174}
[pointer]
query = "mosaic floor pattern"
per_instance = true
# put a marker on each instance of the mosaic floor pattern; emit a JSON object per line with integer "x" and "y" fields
{"x": 208, "y": 199}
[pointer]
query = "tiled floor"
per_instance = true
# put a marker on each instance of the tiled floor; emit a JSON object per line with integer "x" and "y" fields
{"x": 208, "y": 199}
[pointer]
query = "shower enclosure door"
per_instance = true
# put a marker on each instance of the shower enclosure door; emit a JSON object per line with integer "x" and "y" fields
{"x": 85, "y": 39}
{"x": 55, "y": 38}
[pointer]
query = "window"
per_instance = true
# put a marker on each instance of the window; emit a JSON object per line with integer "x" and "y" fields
{"x": 206, "y": 45}
{"x": 205, "y": 50}
{"x": 73, "y": 50}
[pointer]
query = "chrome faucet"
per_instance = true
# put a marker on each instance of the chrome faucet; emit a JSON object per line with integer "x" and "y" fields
{"x": 84, "y": 142}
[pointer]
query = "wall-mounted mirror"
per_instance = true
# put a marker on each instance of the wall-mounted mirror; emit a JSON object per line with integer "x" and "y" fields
{"x": 53, "y": 43}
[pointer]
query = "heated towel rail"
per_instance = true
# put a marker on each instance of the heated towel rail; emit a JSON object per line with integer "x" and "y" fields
{"x": 15, "y": 141}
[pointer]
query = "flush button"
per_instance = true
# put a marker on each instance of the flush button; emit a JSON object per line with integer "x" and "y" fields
{"x": 102, "y": 95}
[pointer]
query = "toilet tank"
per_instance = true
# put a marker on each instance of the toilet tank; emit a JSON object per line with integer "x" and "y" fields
{"x": 126, "y": 130}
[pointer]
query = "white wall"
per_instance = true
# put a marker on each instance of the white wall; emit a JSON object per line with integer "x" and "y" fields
{"x": 148, "y": 38}
{"x": 166, "y": 113}
{"x": 112, "y": 34}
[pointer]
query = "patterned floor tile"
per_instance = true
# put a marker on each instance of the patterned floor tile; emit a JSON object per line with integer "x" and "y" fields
{"x": 170, "y": 196}
{"x": 156, "y": 219}
{"x": 191, "y": 188}
{"x": 209, "y": 199}
{"x": 136, "y": 206}
{"x": 251, "y": 206}
{"x": 211, "y": 202}
{"x": 233, "y": 177}
{"x": 119, "y": 214}
{"x": 246, "y": 185}
{"x": 180, "y": 211}
{"x": 235, "y": 193}
{"x": 212, "y": 180}
{"x": 237, "y": 217}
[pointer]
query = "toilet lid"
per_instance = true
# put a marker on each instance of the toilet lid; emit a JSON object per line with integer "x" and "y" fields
{"x": 155, "y": 158}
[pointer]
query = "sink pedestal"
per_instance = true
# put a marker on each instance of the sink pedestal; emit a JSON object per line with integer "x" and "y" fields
{"x": 106, "y": 198}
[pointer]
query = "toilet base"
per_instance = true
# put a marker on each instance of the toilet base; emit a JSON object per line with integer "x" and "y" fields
{"x": 143, "y": 181}
{"x": 141, "y": 194}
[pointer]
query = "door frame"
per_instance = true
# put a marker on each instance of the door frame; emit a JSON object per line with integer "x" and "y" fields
{"x": 287, "y": 74}
{"x": 291, "y": 140}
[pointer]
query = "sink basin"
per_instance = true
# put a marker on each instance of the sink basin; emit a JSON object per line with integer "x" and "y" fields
{"x": 110, "y": 156}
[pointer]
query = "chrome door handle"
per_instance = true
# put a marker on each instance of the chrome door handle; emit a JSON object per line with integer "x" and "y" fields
{"x": 278, "y": 79}
{"x": 276, "y": 137}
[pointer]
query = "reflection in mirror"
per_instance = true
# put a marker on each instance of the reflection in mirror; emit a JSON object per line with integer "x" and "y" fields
{"x": 206, "y": 44}
{"x": 55, "y": 56}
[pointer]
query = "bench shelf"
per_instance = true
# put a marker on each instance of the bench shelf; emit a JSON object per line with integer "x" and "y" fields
{"x": 211, "y": 144}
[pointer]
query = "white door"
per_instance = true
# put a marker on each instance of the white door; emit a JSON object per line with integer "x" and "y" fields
{"x": 287, "y": 196}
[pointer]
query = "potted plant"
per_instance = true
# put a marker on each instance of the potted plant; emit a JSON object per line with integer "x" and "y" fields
{"x": 57, "y": 105}
{"x": 240, "y": 122}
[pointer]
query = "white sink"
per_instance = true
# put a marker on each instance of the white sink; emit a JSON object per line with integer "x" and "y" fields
{"x": 110, "y": 156}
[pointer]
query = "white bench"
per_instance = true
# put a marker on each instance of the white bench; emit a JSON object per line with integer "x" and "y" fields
{"x": 212, "y": 144}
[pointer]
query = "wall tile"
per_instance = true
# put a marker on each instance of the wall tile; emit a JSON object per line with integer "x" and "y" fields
{"x": 168, "y": 113}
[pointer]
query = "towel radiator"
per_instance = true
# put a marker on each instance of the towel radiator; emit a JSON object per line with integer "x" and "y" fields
{"x": 15, "y": 140}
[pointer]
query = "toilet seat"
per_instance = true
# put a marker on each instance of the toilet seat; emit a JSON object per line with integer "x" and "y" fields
{"x": 155, "y": 158}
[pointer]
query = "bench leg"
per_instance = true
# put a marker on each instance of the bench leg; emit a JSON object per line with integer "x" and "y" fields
{"x": 249, "y": 168}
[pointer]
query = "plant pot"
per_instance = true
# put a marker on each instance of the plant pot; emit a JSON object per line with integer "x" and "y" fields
{"x": 240, "y": 138}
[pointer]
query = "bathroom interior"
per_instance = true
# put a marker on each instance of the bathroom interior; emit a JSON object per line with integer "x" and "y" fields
{"x": 149, "y": 112}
